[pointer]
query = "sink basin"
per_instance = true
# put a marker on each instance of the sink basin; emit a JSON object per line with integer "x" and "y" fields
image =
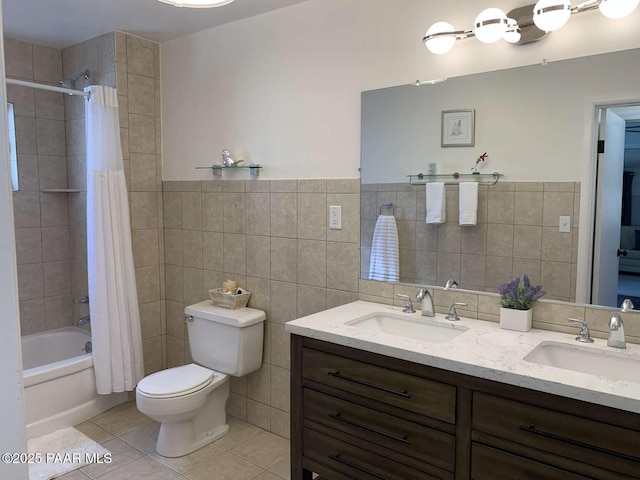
{"x": 408, "y": 327}
{"x": 609, "y": 364}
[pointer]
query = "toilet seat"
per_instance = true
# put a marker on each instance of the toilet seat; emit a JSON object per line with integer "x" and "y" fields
{"x": 176, "y": 382}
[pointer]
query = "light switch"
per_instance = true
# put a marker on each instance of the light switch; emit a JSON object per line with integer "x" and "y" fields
{"x": 565, "y": 224}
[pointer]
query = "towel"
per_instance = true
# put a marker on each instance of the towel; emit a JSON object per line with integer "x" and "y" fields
{"x": 436, "y": 203}
{"x": 385, "y": 258}
{"x": 468, "y": 203}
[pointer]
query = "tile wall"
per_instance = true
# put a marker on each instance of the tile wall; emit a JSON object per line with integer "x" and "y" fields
{"x": 517, "y": 233}
{"x": 272, "y": 238}
{"x": 41, "y": 218}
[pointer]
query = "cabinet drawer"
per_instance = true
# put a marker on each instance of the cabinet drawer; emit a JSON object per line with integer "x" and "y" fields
{"x": 418, "y": 441}
{"x": 354, "y": 462}
{"x": 416, "y": 394}
{"x": 490, "y": 464}
{"x": 578, "y": 438}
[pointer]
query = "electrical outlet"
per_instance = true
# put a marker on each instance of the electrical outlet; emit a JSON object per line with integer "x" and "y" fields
{"x": 565, "y": 224}
{"x": 335, "y": 217}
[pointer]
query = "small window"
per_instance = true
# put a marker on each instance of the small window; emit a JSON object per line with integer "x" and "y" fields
{"x": 12, "y": 147}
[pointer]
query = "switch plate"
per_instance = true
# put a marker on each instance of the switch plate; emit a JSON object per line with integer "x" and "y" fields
{"x": 565, "y": 224}
{"x": 335, "y": 217}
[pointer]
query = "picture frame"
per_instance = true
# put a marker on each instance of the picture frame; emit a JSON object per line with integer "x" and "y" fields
{"x": 458, "y": 128}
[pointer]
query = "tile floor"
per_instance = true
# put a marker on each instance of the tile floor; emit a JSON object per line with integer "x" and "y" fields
{"x": 246, "y": 452}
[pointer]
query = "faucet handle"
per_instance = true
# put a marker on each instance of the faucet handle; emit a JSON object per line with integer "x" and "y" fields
{"x": 627, "y": 305}
{"x": 408, "y": 307}
{"x": 421, "y": 294}
{"x": 453, "y": 315}
{"x": 585, "y": 335}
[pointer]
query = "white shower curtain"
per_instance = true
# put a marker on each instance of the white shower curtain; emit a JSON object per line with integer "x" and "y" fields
{"x": 115, "y": 316}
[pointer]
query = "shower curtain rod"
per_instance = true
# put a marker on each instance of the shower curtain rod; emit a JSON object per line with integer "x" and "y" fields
{"x": 42, "y": 86}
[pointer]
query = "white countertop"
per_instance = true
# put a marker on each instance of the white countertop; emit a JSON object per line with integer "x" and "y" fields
{"x": 483, "y": 351}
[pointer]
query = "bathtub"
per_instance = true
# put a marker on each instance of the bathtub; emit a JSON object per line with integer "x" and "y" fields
{"x": 59, "y": 381}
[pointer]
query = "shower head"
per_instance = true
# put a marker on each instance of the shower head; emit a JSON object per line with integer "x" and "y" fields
{"x": 70, "y": 82}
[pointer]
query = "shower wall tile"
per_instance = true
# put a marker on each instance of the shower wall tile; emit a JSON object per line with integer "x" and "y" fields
{"x": 28, "y": 178}
{"x": 49, "y": 105}
{"x": 140, "y": 56}
{"x": 23, "y": 99}
{"x": 52, "y": 171}
{"x": 18, "y": 59}
{"x": 26, "y": 135}
{"x": 141, "y": 95}
{"x": 32, "y": 316}
{"x": 57, "y": 278}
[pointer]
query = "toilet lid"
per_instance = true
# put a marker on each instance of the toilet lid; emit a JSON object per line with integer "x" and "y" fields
{"x": 176, "y": 381}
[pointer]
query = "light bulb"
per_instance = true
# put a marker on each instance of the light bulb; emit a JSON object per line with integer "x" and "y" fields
{"x": 490, "y": 25}
{"x": 618, "y": 8}
{"x": 443, "y": 44}
{"x": 550, "y": 15}
{"x": 513, "y": 33}
{"x": 197, "y": 3}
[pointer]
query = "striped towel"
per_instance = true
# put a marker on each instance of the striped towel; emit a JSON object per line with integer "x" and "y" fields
{"x": 385, "y": 257}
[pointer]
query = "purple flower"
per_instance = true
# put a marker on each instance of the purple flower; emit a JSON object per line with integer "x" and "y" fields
{"x": 519, "y": 297}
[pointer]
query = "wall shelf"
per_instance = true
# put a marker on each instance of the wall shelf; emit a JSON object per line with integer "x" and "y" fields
{"x": 455, "y": 178}
{"x": 60, "y": 190}
{"x": 254, "y": 169}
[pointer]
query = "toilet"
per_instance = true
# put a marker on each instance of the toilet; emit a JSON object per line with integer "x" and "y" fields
{"x": 189, "y": 401}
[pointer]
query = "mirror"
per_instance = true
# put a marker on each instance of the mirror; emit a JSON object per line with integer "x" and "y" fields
{"x": 537, "y": 124}
{"x": 13, "y": 156}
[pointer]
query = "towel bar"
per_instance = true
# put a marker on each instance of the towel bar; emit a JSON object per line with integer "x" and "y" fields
{"x": 486, "y": 178}
{"x": 388, "y": 206}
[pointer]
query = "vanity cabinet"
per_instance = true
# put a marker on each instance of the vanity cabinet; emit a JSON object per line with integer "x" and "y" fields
{"x": 360, "y": 415}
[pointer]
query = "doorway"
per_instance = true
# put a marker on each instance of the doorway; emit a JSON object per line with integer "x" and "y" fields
{"x": 616, "y": 240}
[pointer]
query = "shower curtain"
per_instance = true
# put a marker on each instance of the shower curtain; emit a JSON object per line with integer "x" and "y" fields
{"x": 115, "y": 316}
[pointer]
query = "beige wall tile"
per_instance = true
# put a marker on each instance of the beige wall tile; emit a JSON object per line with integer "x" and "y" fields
{"x": 142, "y": 172}
{"x": 121, "y": 78}
{"x": 237, "y": 406}
{"x": 175, "y": 351}
{"x": 556, "y": 245}
{"x": 406, "y": 234}
{"x": 213, "y": 253}
{"x": 140, "y": 56}
{"x": 312, "y": 263}
{"x": 144, "y": 210}
{"x": 258, "y": 213}
{"x": 145, "y": 247}
{"x": 193, "y": 286}
{"x": 284, "y": 215}
{"x": 280, "y": 396}
{"x": 51, "y": 137}
{"x": 280, "y": 425}
{"x": 280, "y": 346}
{"x": 54, "y": 211}
{"x": 120, "y": 47}
{"x": 369, "y": 208}
{"x": 212, "y": 216}
{"x": 284, "y": 256}
{"x": 192, "y": 248}
{"x": 47, "y": 64}
{"x": 141, "y": 94}
{"x": 28, "y": 245}
{"x": 192, "y": 210}
{"x": 57, "y": 278}
{"x": 55, "y": 244}
{"x": 49, "y": 105}
{"x": 23, "y": 99}
{"x": 311, "y": 300}
{"x": 343, "y": 185}
{"x": 58, "y": 312}
{"x": 472, "y": 270}
{"x": 172, "y": 203}
{"x": 148, "y": 284}
{"x": 556, "y": 278}
{"x": 32, "y": 316}
{"x": 312, "y": 185}
{"x": 258, "y": 256}
{"x": 142, "y": 133}
{"x": 18, "y": 59}
{"x": 258, "y": 414}
{"x": 284, "y": 301}
{"x": 150, "y": 323}
{"x": 28, "y": 172}
{"x": 312, "y": 216}
{"x": 152, "y": 351}
{"x": 106, "y": 52}
{"x": 234, "y": 208}
{"x": 26, "y": 136}
{"x": 343, "y": 260}
{"x": 426, "y": 266}
{"x": 173, "y": 246}
{"x": 529, "y": 267}
{"x": 234, "y": 186}
{"x": 52, "y": 171}
{"x": 449, "y": 237}
{"x": 259, "y": 384}
{"x": 174, "y": 312}
{"x": 501, "y": 207}
{"x": 30, "y": 281}
{"x": 335, "y": 298}
{"x": 235, "y": 253}
{"x": 473, "y": 240}
{"x": 528, "y": 208}
{"x": 284, "y": 186}
{"x": 426, "y": 236}
{"x": 498, "y": 270}
{"x": 500, "y": 240}
{"x": 556, "y": 204}
{"x": 448, "y": 266}
{"x": 527, "y": 241}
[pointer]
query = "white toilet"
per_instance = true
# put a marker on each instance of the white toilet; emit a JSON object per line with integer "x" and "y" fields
{"x": 189, "y": 401}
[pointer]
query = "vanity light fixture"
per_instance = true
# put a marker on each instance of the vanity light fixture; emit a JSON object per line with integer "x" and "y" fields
{"x": 419, "y": 83}
{"x": 521, "y": 25}
{"x": 197, "y": 3}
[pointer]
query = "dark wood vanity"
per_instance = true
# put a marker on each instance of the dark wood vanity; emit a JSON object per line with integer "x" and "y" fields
{"x": 361, "y": 415}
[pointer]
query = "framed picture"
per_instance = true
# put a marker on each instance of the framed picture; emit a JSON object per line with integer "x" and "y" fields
{"x": 458, "y": 128}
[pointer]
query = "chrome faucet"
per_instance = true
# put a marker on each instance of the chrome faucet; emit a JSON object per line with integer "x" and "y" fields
{"x": 453, "y": 315}
{"x": 425, "y": 297}
{"x": 84, "y": 320}
{"x": 84, "y": 299}
{"x": 616, "y": 332}
{"x": 408, "y": 307}
{"x": 451, "y": 283}
{"x": 585, "y": 335}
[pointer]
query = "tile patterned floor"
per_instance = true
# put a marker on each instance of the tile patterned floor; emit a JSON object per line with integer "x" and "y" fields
{"x": 245, "y": 453}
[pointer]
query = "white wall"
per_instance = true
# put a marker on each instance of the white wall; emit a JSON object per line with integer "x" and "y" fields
{"x": 12, "y": 438}
{"x": 283, "y": 89}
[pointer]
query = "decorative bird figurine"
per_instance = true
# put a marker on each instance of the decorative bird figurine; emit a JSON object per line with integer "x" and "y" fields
{"x": 481, "y": 158}
{"x": 228, "y": 160}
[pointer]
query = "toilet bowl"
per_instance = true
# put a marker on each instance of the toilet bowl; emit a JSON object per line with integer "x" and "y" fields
{"x": 189, "y": 401}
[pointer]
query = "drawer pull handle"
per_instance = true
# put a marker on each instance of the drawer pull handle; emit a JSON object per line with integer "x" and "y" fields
{"x": 404, "y": 394}
{"x": 339, "y": 458}
{"x": 339, "y": 417}
{"x": 533, "y": 429}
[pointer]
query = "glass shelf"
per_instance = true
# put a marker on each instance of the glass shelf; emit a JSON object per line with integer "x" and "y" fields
{"x": 254, "y": 169}
{"x": 60, "y": 190}
{"x": 455, "y": 178}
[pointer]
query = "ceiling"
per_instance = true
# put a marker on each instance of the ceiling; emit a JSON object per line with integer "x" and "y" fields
{"x": 61, "y": 23}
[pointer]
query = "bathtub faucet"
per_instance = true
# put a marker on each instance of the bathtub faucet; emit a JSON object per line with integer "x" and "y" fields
{"x": 84, "y": 320}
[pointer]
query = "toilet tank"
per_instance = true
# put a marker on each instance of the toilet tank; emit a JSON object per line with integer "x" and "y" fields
{"x": 228, "y": 341}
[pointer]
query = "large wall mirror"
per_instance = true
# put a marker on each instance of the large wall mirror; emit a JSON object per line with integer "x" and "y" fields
{"x": 539, "y": 126}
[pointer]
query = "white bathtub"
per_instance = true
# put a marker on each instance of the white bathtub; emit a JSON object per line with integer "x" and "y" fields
{"x": 59, "y": 381}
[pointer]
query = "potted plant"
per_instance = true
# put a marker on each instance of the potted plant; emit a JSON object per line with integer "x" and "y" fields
{"x": 515, "y": 303}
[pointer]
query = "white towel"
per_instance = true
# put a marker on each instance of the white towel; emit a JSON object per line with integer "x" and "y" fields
{"x": 468, "y": 203}
{"x": 385, "y": 257}
{"x": 436, "y": 203}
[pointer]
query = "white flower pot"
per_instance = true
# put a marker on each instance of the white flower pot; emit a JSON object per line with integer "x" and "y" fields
{"x": 519, "y": 320}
